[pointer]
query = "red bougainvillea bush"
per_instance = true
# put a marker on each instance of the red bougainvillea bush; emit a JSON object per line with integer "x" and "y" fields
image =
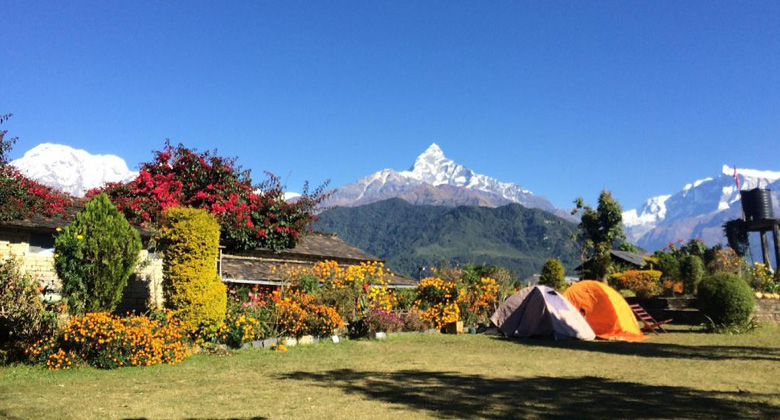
{"x": 250, "y": 216}
{"x": 21, "y": 197}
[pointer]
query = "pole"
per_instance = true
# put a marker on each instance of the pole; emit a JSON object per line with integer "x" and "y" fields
{"x": 776, "y": 235}
{"x": 765, "y": 247}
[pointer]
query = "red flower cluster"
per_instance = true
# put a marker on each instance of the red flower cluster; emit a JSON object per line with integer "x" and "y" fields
{"x": 21, "y": 197}
{"x": 250, "y": 216}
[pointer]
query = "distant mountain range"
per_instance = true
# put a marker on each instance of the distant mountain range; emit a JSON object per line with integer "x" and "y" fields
{"x": 410, "y": 236}
{"x": 73, "y": 171}
{"x": 698, "y": 211}
{"x": 436, "y": 180}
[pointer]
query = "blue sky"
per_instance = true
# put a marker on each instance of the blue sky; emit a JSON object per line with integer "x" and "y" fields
{"x": 564, "y": 98}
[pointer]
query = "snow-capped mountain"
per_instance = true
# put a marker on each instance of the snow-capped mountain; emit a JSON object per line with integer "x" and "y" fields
{"x": 699, "y": 210}
{"x": 435, "y": 179}
{"x": 71, "y": 170}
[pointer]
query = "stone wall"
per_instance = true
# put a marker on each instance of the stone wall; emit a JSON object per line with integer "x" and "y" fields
{"x": 15, "y": 244}
{"x": 143, "y": 291}
{"x": 767, "y": 311}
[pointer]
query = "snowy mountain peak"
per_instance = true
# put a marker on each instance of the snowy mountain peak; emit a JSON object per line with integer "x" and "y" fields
{"x": 73, "y": 171}
{"x": 433, "y": 152}
{"x": 698, "y": 210}
{"x": 436, "y": 179}
{"x": 770, "y": 176}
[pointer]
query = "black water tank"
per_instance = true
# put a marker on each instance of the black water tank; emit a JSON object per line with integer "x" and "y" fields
{"x": 757, "y": 204}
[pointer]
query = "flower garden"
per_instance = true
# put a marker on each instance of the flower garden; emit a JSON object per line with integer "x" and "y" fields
{"x": 193, "y": 203}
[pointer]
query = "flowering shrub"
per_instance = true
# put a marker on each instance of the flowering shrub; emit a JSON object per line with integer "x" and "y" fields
{"x": 726, "y": 260}
{"x": 672, "y": 288}
{"x": 413, "y": 321}
{"x": 351, "y": 290}
{"x": 21, "y": 310}
{"x": 250, "y": 216}
{"x": 298, "y": 314}
{"x": 761, "y": 278}
{"x": 105, "y": 341}
{"x": 645, "y": 283}
{"x": 439, "y": 301}
{"x": 381, "y": 320}
{"x": 479, "y": 300}
{"x": 21, "y": 197}
{"x": 237, "y": 330}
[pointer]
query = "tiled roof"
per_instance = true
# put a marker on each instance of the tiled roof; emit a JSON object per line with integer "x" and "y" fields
{"x": 258, "y": 265}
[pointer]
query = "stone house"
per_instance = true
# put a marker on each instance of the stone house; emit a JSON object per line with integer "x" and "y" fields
{"x": 31, "y": 241}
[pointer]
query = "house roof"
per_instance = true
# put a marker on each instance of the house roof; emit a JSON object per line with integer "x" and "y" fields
{"x": 629, "y": 257}
{"x": 257, "y": 266}
{"x": 637, "y": 260}
{"x": 316, "y": 246}
{"x": 38, "y": 223}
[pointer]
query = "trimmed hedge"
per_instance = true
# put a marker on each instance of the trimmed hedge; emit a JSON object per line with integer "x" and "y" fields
{"x": 94, "y": 257}
{"x": 726, "y": 299}
{"x": 191, "y": 284}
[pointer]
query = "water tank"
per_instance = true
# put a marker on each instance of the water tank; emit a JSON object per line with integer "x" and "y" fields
{"x": 757, "y": 204}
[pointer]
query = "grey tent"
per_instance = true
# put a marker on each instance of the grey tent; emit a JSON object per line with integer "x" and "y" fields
{"x": 541, "y": 311}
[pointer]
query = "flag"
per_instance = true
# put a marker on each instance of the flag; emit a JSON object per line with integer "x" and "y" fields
{"x": 736, "y": 177}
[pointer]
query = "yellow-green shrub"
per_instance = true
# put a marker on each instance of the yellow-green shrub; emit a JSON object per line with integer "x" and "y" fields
{"x": 645, "y": 283}
{"x": 191, "y": 284}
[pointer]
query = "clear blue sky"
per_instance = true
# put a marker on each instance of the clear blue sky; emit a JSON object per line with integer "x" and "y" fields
{"x": 564, "y": 98}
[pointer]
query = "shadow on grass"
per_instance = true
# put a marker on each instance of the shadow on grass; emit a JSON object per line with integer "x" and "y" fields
{"x": 659, "y": 350}
{"x": 207, "y": 418}
{"x": 455, "y": 395}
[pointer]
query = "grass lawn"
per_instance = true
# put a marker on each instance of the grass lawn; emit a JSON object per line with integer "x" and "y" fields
{"x": 679, "y": 375}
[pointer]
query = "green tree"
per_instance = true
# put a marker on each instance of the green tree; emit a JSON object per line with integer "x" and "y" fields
{"x": 191, "y": 284}
{"x": 691, "y": 272}
{"x": 95, "y": 255}
{"x": 553, "y": 274}
{"x": 668, "y": 264}
{"x": 599, "y": 230}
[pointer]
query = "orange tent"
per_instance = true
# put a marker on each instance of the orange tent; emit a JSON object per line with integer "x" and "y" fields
{"x": 607, "y": 313}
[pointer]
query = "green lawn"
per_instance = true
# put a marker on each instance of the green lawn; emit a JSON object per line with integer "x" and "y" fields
{"x": 679, "y": 375}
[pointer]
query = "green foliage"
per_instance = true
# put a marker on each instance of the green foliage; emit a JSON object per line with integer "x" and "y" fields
{"x": 599, "y": 229}
{"x": 191, "y": 284}
{"x": 553, "y": 274}
{"x": 95, "y": 255}
{"x": 629, "y": 247}
{"x": 22, "y": 317}
{"x": 407, "y": 236}
{"x": 726, "y": 299}
{"x": 691, "y": 272}
{"x": 405, "y": 298}
{"x": 668, "y": 265}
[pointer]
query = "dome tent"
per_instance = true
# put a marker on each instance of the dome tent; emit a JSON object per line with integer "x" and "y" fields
{"x": 605, "y": 310}
{"x": 540, "y": 311}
